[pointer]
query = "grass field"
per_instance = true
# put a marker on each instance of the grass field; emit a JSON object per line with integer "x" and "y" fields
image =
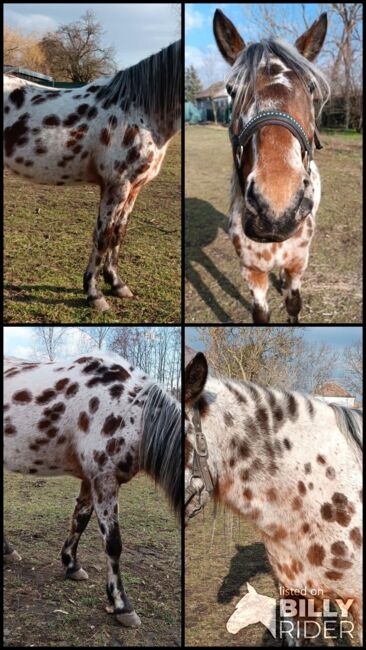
{"x": 215, "y": 292}
{"x": 37, "y": 514}
{"x": 219, "y": 561}
{"x": 46, "y": 253}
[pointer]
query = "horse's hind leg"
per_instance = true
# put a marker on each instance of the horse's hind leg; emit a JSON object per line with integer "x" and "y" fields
{"x": 82, "y": 513}
{"x": 105, "y": 498}
{"x": 112, "y": 200}
{"x": 10, "y": 553}
{"x": 110, "y": 269}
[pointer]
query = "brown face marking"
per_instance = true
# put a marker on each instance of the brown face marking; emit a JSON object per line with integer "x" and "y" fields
{"x": 248, "y": 494}
{"x": 320, "y": 459}
{"x": 339, "y": 563}
{"x": 22, "y": 397}
{"x": 305, "y": 528}
{"x": 316, "y": 554}
{"x": 333, "y": 575}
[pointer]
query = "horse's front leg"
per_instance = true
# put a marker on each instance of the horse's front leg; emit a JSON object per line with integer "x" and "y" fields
{"x": 112, "y": 201}
{"x": 291, "y": 284}
{"x": 105, "y": 498}
{"x": 258, "y": 285}
{"x": 80, "y": 518}
{"x": 9, "y": 552}
{"x": 110, "y": 269}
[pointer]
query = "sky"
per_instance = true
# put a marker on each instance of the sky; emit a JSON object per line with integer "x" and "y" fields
{"x": 337, "y": 338}
{"x": 20, "y": 342}
{"x": 200, "y": 45}
{"x": 135, "y": 30}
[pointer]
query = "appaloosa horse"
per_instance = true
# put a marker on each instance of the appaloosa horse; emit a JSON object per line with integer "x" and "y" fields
{"x": 290, "y": 463}
{"x": 113, "y": 132}
{"x": 102, "y": 421}
{"x": 275, "y": 187}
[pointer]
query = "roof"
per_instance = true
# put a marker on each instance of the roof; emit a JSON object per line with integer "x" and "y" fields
{"x": 331, "y": 389}
{"x": 217, "y": 89}
{"x": 29, "y": 73}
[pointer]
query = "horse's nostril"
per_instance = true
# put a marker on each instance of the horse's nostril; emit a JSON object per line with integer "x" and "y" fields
{"x": 306, "y": 182}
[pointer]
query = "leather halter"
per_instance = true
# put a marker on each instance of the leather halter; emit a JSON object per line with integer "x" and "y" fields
{"x": 200, "y": 466}
{"x": 265, "y": 118}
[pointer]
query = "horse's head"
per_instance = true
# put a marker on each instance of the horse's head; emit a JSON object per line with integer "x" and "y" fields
{"x": 198, "y": 477}
{"x": 272, "y": 86}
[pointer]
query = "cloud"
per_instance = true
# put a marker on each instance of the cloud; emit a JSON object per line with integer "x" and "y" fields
{"x": 193, "y": 18}
{"x": 39, "y": 23}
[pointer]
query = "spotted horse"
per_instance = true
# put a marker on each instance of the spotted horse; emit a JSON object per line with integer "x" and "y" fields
{"x": 275, "y": 185}
{"x": 113, "y": 132}
{"x": 292, "y": 465}
{"x": 101, "y": 421}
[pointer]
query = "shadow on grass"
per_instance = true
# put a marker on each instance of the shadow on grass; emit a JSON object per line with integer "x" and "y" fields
{"x": 203, "y": 225}
{"x": 25, "y": 293}
{"x": 244, "y": 566}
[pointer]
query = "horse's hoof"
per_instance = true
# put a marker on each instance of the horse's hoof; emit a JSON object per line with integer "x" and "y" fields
{"x": 122, "y": 291}
{"x": 80, "y": 574}
{"x": 98, "y": 303}
{"x": 12, "y": 557}
{"x": 129, "y": 619}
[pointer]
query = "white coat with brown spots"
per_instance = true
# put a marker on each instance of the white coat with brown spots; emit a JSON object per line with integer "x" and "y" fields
{"x": 99, "y": 420}
{"x": 113, "y": 132}
{"x": 293, "y": 466}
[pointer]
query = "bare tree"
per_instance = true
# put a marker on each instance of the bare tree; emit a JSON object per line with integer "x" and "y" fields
{"x": 353, "y": 367}
{"x": 75, "y": 53}
{"x": 97, "y": 335}
{"x": 48, "y": 341}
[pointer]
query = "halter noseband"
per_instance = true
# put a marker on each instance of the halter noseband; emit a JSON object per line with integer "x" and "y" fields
{"x": 200, "y": 466}
{"x": 265, "y": 118}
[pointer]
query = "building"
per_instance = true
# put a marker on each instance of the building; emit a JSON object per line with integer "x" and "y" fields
{"x": 29, "y": 75}
{"x": 331, "y": 392}
{"x": 214, "y": 97}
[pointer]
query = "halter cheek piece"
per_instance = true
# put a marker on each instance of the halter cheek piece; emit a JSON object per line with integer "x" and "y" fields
{"x": 200, "y": 467}
{"x": 265, "y": 118}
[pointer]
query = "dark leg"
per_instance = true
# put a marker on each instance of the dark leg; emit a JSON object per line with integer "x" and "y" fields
{"x": 258, "y": 285}
{"x": 10, "y": 553}
{"x": 291, "y": 283}
{"x": 80, "y": 518}
{"x": 105, "y": 498}
{"x": 112, "y": 202}
{"x": 110, "y": 269}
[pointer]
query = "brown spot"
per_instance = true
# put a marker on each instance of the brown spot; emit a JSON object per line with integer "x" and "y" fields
{"x": 339, "y": 548}
{"x": 287, "y": 443}
{"x": 316, "y": 554}
{"x": 327, "y": 511}
{"x": 60, "y": 385}
{"x": 305, "y": 528}
{"x": 52, "y": 432}
{"x": 248, "y": 494}
{"x": 93, "y": 404}
{"x": 46, "y": 396}
{"x": 72, "y": 390}
{"x": 133, "y": 155}
{"x": 228, "y": 419}
{"x": 10, "y": 430}
{"x": 237, "y": 244}
{"x": 301, "y": 487}
{"x": 129, "y": 135}
{"x": 83, "y": 421}
{"x": 116, "y": 391}
{"x": 338, "y": 563}
{"x": 100, "y": 457}
{"x": 321, "y": 460}
{"x": 271, "y": 495}
{"x": 356, "y": 537}
{"x": 333, "y": 575}
{"x": 22, "y": 397}
{"x": 287, "y": 571}
{"x": 105, "y": 137}
{"x": 111, "y": 424}
{"x": 51, "y": 120}
{"x": 296, "y": 503}
{"x": 330, "y": 473}
{"x": 244, "y": 475}
{"x": 310, "y": 485}
{"x": 307, "y": 468}
{"x": 280, "y": 533}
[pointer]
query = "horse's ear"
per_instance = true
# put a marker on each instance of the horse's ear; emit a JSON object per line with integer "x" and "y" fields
{"x": 228, "y": 39}
{"x": 311, "y": 41}
{"x": 195, "y": 376}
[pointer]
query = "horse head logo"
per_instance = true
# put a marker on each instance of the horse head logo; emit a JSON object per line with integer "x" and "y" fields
{"x": 253, "y": 608}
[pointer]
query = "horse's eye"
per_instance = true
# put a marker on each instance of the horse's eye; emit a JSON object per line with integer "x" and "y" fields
{"x": 311, "y": 86}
